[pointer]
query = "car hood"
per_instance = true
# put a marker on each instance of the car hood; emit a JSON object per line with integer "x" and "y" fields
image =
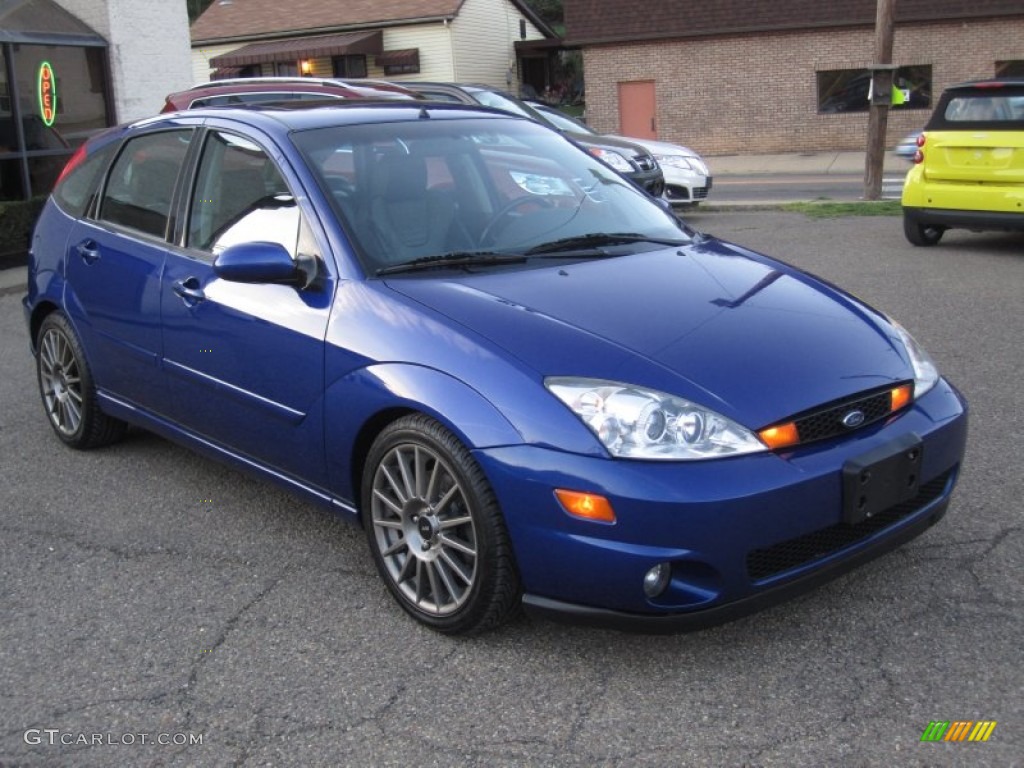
{"x": 657, "y": 147}
{"x": 732, "y": 330}
{"x": 614, "y": 142}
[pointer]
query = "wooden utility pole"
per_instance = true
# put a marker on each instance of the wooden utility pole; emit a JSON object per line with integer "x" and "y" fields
{"x": 881, "y": 96}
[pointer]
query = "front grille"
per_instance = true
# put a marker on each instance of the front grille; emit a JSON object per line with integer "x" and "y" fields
{"x": 645, "y": 162}
{"x": 762, "y": 563}
{"x": 699, "y": 193}
{"x": 828, "y": 421}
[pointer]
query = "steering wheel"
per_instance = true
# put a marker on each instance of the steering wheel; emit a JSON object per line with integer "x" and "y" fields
{"x": 502, "y": 213}
{"x": 340, "y": 186}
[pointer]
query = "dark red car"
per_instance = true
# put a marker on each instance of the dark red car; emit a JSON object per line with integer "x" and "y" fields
{"x": 249, "y": 90}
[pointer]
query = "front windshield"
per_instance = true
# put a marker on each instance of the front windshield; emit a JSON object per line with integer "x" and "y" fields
{"x": 498, "y": 101}
{"x": 421, "y": 188}
{"x": 564, "y": 122}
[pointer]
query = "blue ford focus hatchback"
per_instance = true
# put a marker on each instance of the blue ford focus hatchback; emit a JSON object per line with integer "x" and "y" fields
{"x": 527, "y": 381}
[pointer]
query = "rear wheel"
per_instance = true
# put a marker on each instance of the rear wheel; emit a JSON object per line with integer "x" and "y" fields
{"x": 921, "y": 234}
{"x": 435, "y": 530}
{"x": 67, "y": 389}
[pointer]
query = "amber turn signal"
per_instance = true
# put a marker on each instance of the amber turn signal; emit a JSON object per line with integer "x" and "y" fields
{"x": 780, "y": 436}
{"x": 589, "y": 506}
{"x": 901, "y": 396}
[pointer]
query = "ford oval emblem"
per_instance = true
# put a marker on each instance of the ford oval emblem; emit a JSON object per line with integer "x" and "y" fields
{"x": 853, "y": 419}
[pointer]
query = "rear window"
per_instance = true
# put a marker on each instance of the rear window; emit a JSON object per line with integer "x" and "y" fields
{"x": 992, "y": 108}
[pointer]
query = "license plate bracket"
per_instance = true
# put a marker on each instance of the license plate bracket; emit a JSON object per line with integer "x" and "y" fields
{"x": 881, "y": 478}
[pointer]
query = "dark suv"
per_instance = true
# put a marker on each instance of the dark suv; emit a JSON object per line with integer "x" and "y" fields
{"x": 252, "y": 90}
{"x": 631, "y": 160}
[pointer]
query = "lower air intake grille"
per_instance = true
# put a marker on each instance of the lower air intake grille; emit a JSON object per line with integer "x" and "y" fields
{"x": 762, "y": 563}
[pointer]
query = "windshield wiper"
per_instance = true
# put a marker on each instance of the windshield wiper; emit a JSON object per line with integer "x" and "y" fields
{"x": 454, "y": 259}
{"x": 598, "y": 239}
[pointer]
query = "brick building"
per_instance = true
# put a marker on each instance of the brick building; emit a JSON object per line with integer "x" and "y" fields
{"x": 740, "y": 76}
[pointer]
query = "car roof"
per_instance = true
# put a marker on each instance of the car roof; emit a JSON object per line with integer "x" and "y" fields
{"x": 992, "y": 82}
{"x": 298, "y": 116}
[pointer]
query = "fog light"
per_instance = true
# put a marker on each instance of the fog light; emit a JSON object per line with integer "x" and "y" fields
{"x": 656, "y": 579}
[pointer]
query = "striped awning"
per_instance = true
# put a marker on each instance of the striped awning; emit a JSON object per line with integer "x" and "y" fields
{"x": 302, "y": 48}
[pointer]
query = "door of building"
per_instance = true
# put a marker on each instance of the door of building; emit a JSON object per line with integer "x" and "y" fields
{"x": 637, "y": 110}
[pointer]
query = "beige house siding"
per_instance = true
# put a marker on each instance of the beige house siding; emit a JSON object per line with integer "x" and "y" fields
{"x": 758, "y": 93}
{"x": 435, "y": 44}
{"x": 201, "y": 56}
{"x": 480, "y": 30}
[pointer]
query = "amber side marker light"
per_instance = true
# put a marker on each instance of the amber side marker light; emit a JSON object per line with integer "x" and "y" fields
{"x": 901, "y": 396}
{"x": 780, "y": 436}
{"x": 588, "y": 506}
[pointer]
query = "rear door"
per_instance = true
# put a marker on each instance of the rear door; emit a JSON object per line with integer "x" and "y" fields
{"x": 115, "y": 263}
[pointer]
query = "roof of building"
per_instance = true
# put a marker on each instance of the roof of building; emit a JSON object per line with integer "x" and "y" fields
{"x": 233, "y": 20}
{"x": 43, "y": 21}
{"x": 598, "y": 21}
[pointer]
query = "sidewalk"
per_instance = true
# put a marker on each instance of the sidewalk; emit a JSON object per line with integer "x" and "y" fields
{"x": 824, "y": 163}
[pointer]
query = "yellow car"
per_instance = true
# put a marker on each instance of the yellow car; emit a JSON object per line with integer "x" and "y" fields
{"x": 969, "y": 166}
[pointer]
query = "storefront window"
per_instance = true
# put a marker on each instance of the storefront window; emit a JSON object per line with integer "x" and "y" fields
{"x": 846, "y": 90}
{"x": 56, "y": 100}
{"x": 78, "y": 87}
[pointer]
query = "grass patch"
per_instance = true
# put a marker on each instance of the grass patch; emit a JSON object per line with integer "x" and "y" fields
{"x": 826, "y": 210}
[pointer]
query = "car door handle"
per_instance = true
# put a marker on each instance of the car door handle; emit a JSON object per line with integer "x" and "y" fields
{"x": 88, "y": 251}
{"x": 189, "y": 290}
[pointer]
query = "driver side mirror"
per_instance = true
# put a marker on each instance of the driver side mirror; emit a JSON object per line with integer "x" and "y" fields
{"x": 258, "y": 262}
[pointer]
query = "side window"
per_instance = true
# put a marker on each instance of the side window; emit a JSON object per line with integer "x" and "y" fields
{"x": 77, "y": 188}
{"x": 141, "y": 183}
{"x": 240, "y": 197}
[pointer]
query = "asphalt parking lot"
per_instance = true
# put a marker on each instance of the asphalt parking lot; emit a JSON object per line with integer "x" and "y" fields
{"x": 148, "y": 595}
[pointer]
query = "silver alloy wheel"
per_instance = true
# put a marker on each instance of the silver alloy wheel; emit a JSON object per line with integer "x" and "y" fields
{"x": 60, "y": 376}
{"x": 423, "y": 529}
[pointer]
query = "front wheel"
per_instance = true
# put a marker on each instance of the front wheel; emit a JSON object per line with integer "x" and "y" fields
{"x": 435, "y": 530}
{"x": 67, "y": 389}
{"x": 921, "y": 234}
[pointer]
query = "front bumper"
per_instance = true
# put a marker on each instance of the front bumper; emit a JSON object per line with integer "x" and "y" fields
{"x": 740, "y": 533}
{"x": 683, "y": 188}
{"x": 652, "y": 182}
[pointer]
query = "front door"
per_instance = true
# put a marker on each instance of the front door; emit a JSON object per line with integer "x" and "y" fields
{"x": 245, "y": 362}
{"x": 637, "y": 107}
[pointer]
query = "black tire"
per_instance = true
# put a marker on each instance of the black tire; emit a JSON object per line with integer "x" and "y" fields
{"x": 921, "y": 234}
{"x": 435, "y": 530}
{"x": 67, "y": 390}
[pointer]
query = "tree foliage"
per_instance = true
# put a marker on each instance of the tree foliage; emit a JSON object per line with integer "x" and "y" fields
{"x": 196, "y": 8}
{"x": 549, "y": 10}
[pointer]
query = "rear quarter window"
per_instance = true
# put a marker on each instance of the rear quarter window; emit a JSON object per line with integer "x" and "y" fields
{"x": 77, "y": 189}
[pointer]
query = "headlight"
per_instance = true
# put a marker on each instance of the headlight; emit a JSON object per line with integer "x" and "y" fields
{"x": 637, "y": 423}
{"x": 686, "y": 162}
{"x": 614, "y": 159}
{"x": 925, "y": 373}
{"x": 676, "y": 161}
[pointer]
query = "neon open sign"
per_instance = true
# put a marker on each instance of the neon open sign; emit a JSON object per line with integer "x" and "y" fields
{"x": 47, "y": 93}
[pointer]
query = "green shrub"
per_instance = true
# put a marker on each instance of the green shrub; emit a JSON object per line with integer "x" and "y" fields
{"x": 17, "y": 217}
